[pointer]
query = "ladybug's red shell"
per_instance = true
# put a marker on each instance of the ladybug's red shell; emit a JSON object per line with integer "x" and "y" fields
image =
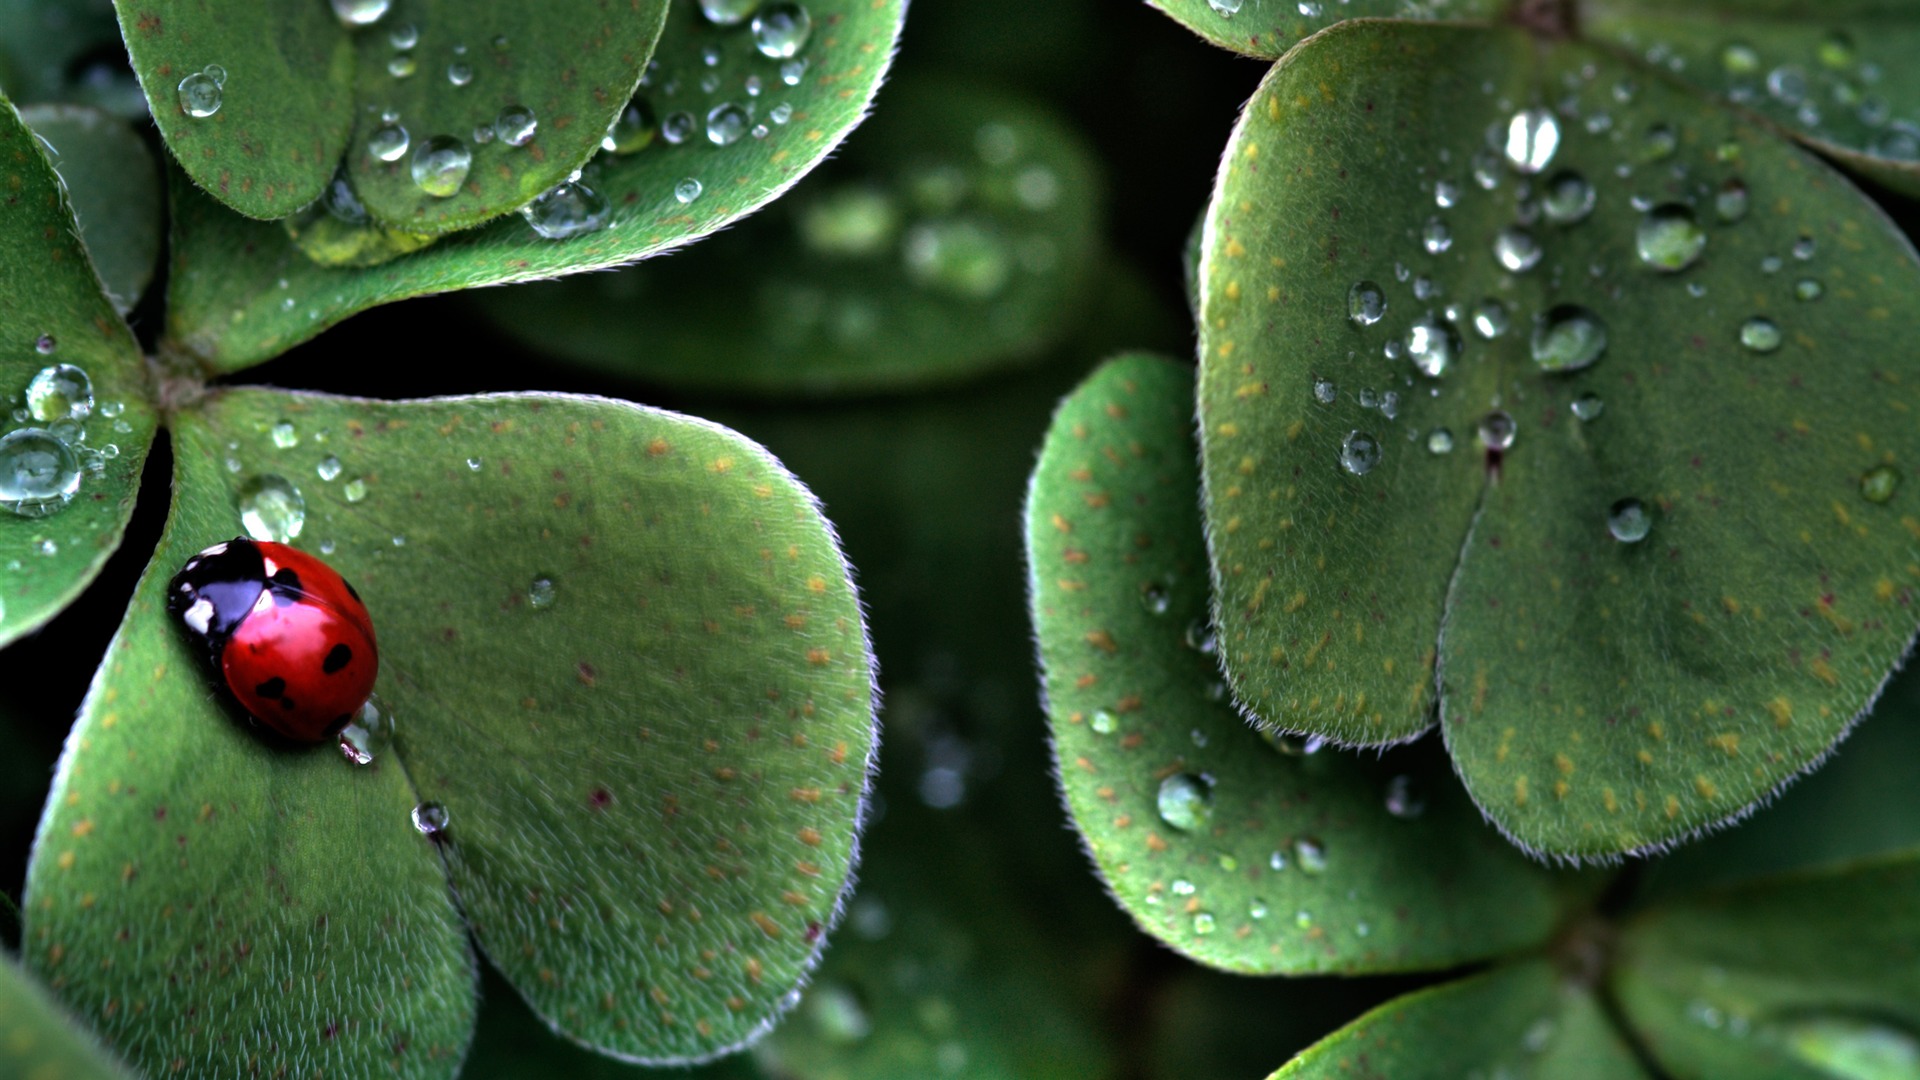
{"x": 288, "y": 635}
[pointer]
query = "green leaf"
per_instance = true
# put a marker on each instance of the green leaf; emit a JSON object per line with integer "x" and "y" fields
{"x": 573, "y": 63}
{"x": 1838, "y": 74}
{"x": 212, "y": 903}
{"x": 261, "y": 102}
{"x": 114, "y": 185}
{"x": 1599, "y": 694}
{"x": 1268, "y": 28}
{"x": 228, "y": 307}
{"x": 52, "y": 311}
{"x": 67, "y": 51}
{"x": 626, "y": 659}
{"x": 1243, "y": 855}
{"x": 1810, "y": 976}
{"x": 38, "y": 1041}
{"x": 958, "y": 235}
{"x": 1519, "y": 1020}
{"x": 1201, "y": 1028}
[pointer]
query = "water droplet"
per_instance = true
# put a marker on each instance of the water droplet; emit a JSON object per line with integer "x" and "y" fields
{"x": 633, "y": 130}
{"x": 1103, "y": 722}
{"x": 1186, "y": 801}
{"x": 431, "y": 819}
{"x": 1533, "y": 135}
{"x": 1366, "y": 303}
{"x": 1760, "y": 334}
{"x": 1155, "y": 599}
{"x": 566, "y": 210}
{"x": 1569, "y": 198}
{"x": 440, "y": 166}
{"x": 329, "y": 468}
{"x": 389, "y": 143}
{"x": 1224, "y": 8}
{"x": 45, "y": 345}
{"x": 1659, "y": 143}
{"x": 1804, "y": 248}
{"x": 355, "y": 489}
{"x": 1203, "y": 923}
{"x": 60, "y": 392}
{"x": 792, "y": 71}
{"x": 540, "y": 594}
{"x": 1440, "y": 441}
{"x": 402, "y": 66}
{"x": 835, "y": 1014}
{"x": 1808, "y": 289}
{"x": 686, "y": 190}
{"x": 782, "y": 30}
{"x": 1404, "y": 798}
{"x": 1486, "y": 170}
{"x": 199, "y": 95}
{"x": 1588, "y": 406}
{"x": 1629, "y": 521}
{"x": 1669, "y": 239}
{"x": 1446, "y": 194}
{"x": 959, "y": 258}
{"x": 1359, "y": 453}
{"x": 1497, "y": 430}
{"x": 1200, "y": 637}
{"x": 726, "y": 122}
{"x": 1879, "y": 483}
{"x": 1436, "y": 237}
{"x": 1788, "y": 84}
{"x": 516, "y": 125}
{"x": 473, "y": 464}
{"x": 1852, "y": 1048}
{"x": 355, "y": 13}
{"x": 284, "y": 435}
{"x": 728, "y": 12}
{"x": 1569, "y": 338}
{"x": 1309, "y": 855}
{"x": 1516, "y": 249}
{"x": 1324, "y": 391}
{"x": 1739, "y": 58}
{"x": 1257, "y": 909}
{"x": 459, "y": 73}
{"x": 39, "y": 472}
{"x": 271, "y": 508}
{"x": 368, "y": 734}
{"x": 1433, "y": 345}
{"x": 1490, "y": 319}
{"x": 404, "y": 36}
{"x": 1182, "y": 887}
{"x": 1277, "y": 861}
{"x": 1538, "y": 1036}
{"x": 1731, "y": 201}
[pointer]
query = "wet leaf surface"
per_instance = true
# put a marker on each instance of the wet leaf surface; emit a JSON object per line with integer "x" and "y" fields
{"x": 1248, "y": 854}
{"x": 958, "y": 235}
{"x": 1646, "y": 620}
{"x": 53, "y": 312}
{"x": 1268, "y": 28}
{"x": 241, "y": 292}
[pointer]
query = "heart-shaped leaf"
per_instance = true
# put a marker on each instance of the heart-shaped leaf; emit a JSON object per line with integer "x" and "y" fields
{"x": 1268, "y": 28}
{"x": 1647, "y": 618}
{"x": 113, "y": 183}
{"x": 67, "y": 486}
{"x": 1248, "y": 856}
{"x": 1516, "y": 1020}
{"x": 1815, "y": 975}
{"x": 259, "y": 102}
{"x": 37, "y": 1040}
{"x": 629, "y": 683}
{"x": 1837, "y": 73}
{"x": 958, "y": 234}
{"x": 241, "y": 292}
{"x": 66, "y": 51}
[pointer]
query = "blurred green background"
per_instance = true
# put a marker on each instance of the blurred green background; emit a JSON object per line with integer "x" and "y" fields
{"x": 979, "y": 943}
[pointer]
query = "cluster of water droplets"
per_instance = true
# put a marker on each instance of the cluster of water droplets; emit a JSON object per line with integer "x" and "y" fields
{"x": 45, "y": 454}
{"x": 1319, "y": 13}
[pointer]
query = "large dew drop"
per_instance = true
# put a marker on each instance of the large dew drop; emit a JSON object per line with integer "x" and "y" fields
{"x": 39, "y": 472}
{"x": 566, "y": 210}
{"x": 60, "y": 392}
{"x": 633, "y": 130}
{"x": 516, "y": 125}
{"x": 1433, "y": 345}
{"x": 357, "y": 13}
{"x": 1366, "y": 303}
{"x": 726, "y": 122}
{"x": 1669, "y": 239}
{"x": 200, "y": 95}
{"x": 1569, "y": 338}
{"x": 1359, "y": 453}
{"x": 1569, "y": 198}
{"x": 1628, "y": 521}
{"x": 272, "y": 509}
{"x": 389, "y": 143}
{"x": 1186, "y": 801}
{"x": 1761, "y": 335}
{"x": 1533, "y": 135}
{"x": 431, "y": 819}
{"x": 782, "y": 30}
{"x": 441, "y": 165}
{"x": 1497, "y": 430}
{"x": 1516, "y": 249}
{"x": 728, "y": 12}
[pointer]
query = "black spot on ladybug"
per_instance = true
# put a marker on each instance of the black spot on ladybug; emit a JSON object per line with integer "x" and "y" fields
{"x": 337, "y": 658}
{"x": 275, "y": 687}
{"x": 286, "y": 588}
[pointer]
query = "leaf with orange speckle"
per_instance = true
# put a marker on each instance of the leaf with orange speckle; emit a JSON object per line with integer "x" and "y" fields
{"x": 623, "y": 656}
{"x": 1527, "y": 366}
{"x": 241, "y": 292}
{"x": 1250, "y": 854}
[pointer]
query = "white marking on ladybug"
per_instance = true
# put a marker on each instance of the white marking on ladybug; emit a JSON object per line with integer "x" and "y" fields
{"x": 199, "y": 615}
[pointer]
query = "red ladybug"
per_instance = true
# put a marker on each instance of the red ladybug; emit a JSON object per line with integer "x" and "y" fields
{"x": 288, "y": 635}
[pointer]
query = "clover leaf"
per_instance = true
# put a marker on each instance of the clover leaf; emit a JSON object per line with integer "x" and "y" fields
{"x": 1542, "y": 394}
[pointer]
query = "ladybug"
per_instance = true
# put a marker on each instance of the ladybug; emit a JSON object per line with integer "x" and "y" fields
{"x": 289, "y": 637}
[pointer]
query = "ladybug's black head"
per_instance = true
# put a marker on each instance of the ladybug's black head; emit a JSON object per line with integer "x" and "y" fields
{"x": 216, "y": 589}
